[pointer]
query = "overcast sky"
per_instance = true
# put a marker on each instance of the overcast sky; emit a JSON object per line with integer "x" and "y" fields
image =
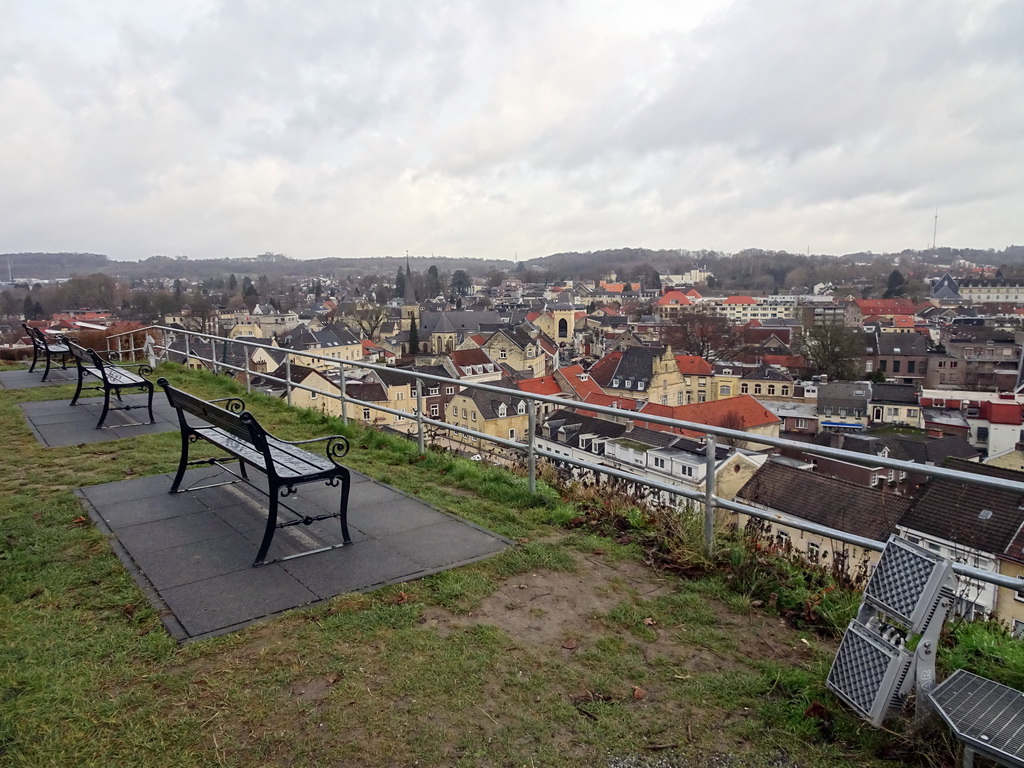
{"x": 359, "y": 128}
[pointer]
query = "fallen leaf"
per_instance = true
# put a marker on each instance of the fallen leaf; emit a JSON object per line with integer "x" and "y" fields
{"x": 649, "y": 622}
{"x": 756, "y": 603}
{"x": 804, "y": 641}
{"x": 128, "y": 610}
{"x": 571, "y": 645}
{"x": 638, "y": 692}
{"x": 79, "y": 520}
{"x": 597, "y": 552}
{"x": 402, "y": 597}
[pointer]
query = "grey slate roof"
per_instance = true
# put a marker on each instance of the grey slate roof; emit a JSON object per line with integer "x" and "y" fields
{"x": 825, "y": 500}
{"x": 983, "y": 518}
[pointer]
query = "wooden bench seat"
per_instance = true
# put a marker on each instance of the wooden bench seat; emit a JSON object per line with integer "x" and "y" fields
{"x": 286, "y": 464}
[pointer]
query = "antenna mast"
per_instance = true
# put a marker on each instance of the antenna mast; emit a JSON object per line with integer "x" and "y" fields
{"x": 935, "y": 229}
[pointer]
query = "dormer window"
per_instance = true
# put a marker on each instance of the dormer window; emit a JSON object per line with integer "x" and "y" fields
{"x": 640, "y": 385}
{"x": 502, "y": 411}
{"x": 521, "y": 408}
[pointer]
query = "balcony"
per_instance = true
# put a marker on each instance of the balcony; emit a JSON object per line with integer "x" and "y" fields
{"x": 565, "y": 649}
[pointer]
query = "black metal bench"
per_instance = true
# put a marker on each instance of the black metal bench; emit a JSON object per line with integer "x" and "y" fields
{"x": 113, "y": 378}
{"x": 47, "y": 348}
{"x": 226, "y": 424}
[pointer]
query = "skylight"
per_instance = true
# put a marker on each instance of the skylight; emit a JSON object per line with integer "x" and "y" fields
{"x": 985, "y": 514}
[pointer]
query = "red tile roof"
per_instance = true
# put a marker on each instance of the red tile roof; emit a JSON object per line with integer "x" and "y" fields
{"x": 673, "y": 298}
{"x": 542, "y": 385}
{"x": 739, "y": 300}
{"x": 693, "y": 365}
{"x": 579, "y": 381}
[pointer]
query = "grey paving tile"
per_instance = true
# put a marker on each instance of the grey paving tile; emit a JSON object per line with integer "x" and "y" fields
{"x": 172, "y": 532}
{"x": 138, "y": 511}
{"x": 196, "y": 561}
{"x": 223, "y": 601}
{"x": 444, "y": 543}
{"x": 31, "y": 380}
{"x": 128, "y": 490}
{"x": 359, "y": 566}
{"x": 393, "y": 516}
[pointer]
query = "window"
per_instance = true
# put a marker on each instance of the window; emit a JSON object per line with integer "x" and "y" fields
{"x": 640, "y": 385}
{"x": 465, "y": 414}
{"x": 502, "y": 354}
{"x": 869, "y": 366}
{"x": 982, "y": 434}
{"x": 615, "y": 383}
{"x": 785, "y": 390}
{"x": 502, "y": 411}
{"x": 521, "y": 408}
{"x": 725, "y": 390}
{"x": 659, "y": 462}
{"x": 883, "y": 365}
{"x": 911, "y": 366}
{"x": 813, "y": 552}
{"x": 757, "y": 389}
{"x": 449, "y": 390}
{"x": 896, "y": 365}
{"x": 400, "y": 396}
{"x": 771, "y": 389}
{"x": 434, "y": 391}
{"x": 434, "y": 411}
{"x": 472, "y": 416}
{"x": 953, "y": 363}
{"x": 801, "y": 423}
{"x": 702, "y": 381}
{"x": 911, "y": 413}
{"x": 511, "y": 434}
{"x": 702, "y": 397}
{"x": 891, "y": 412}
{"x": 1018, "y": 628}
{"x": 366, "y": 414}
{"x": 664, "y": 399}
{"x": 679, "y": 398}
{"x": 312, "y": 395}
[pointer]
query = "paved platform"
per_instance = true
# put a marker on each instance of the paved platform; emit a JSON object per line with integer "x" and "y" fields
{"x": 192, "y": 552}
{"x": 25, "y": 380}
{"x": 56, "y": 422}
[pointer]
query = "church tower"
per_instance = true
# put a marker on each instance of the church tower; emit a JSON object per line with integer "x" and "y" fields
{"x": 410, "y": 308}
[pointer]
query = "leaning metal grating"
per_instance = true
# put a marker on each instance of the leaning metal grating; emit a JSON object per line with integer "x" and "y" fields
{"x": 900, "y": 579}
{"x": 867, "y": 672}
{"x": 983, "y": 714}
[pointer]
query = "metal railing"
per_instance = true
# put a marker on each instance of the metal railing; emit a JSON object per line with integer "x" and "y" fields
{"x": 159, "y": 340}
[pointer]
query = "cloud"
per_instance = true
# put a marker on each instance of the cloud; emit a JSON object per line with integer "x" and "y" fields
{"x": 224, "y": 127}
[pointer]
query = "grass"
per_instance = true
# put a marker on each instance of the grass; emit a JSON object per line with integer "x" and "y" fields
{"x": 409, "y": 674}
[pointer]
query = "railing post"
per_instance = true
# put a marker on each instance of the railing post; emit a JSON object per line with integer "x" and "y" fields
{"x": 419, "y": 417}
{"x": 709, "y": 497}
{"x": 531, "y": 456}
{"x": 213, "y": 355}
{"x": 188, "y": 349}
{"x": 341, "y": 383}
{"x": 288, "y": 378}
{"x": 248, "y": 374}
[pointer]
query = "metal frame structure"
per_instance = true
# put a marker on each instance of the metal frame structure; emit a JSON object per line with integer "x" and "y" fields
{"x": 906, "y": 599}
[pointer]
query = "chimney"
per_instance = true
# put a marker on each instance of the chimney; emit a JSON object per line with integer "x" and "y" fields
{"x": 933, "y": 432}
{"x": 629, "y": 425}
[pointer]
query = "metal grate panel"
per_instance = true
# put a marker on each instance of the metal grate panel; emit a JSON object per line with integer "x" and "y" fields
{"x": 984, "y": 714}
{"x": 902, "y": 579}
{"x": 867, "y": 673}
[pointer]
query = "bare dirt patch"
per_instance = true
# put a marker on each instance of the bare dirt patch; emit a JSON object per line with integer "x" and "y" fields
{"x": 562, "y": 611}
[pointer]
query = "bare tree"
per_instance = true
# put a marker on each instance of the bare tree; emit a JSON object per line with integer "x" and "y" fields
{"x": 370, "y": 320}
{"x": 833, "y": 349}
{"x": 713, "y": 338}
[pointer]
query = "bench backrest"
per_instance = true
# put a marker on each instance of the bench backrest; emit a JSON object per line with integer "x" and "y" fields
{"x": 37, "y": 336}
{"x": 85, "y": 357}
{"x": 231, "y": 418}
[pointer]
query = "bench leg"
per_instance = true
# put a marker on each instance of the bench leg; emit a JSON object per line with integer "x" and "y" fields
{"x": 182, "y": 463}
{"x": 78, "y": 389}
{"x": 35, "y": 358}
{"x": 268, "y": 534}
{"x": 106, "y": 407}
{"x": 47, "y": 371}
{"x": 346, "y": 482}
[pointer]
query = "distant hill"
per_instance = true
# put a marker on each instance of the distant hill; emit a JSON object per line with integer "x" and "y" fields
{"x": 752, "y": 267}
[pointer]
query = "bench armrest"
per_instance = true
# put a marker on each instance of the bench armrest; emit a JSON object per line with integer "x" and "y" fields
{"x": 232, "y": 404}
{"x": 336, "y": 448}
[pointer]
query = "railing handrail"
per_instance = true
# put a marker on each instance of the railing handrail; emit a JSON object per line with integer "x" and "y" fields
{"x": 700, "y": 496}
